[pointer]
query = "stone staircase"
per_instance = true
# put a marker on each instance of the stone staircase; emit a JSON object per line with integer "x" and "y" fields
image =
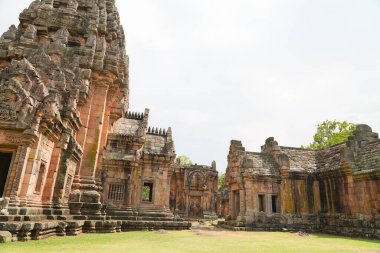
{"x": 146, "y": 217}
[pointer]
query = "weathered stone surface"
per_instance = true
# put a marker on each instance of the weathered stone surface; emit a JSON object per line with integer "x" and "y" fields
{"x": 333, "y": 190}
{"x": 193, "y": 191}
{"x": 64, "y": 98}
{"x": 5, "y": 237}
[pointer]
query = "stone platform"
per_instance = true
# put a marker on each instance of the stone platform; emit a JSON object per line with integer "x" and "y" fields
{"x": 336, "y": 224}
{"x": 36, "y": 227}
{"x": 25, "y": 231}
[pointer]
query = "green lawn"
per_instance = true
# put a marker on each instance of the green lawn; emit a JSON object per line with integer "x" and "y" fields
{"x": 196, "y": 241}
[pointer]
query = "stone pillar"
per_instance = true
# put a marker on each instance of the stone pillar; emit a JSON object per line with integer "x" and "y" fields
{"x": 243, "y": 206}
{"x": 317, "y": 197}
{"x": 286, "y": 196}
{"x": 19, "y": 171}
{"x": 59, "y": 187}
{"x": 168, "y": 187}
{"x": 187, "y": 203}
{"x": 249, "y": 198}
{"x": 88, "y": 192}
{"x": 94, "y": 131}
{"x": 52, "y": 175}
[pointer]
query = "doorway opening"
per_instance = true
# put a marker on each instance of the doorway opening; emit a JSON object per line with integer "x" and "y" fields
{"x": 274, "y": 204}
{"x": 261, "y": 203}
{"x": 5, "y": 163}
{"x": 147, "y": 192}
{"x": 236, "y": 204}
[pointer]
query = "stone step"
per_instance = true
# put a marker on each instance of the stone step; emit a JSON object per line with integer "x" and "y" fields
{"x": 137, "y": 218}
{"x": 154, "y": 214}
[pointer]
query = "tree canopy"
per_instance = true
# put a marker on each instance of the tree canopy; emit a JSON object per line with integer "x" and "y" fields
{"x": 330, "y": 133}
{"x": 221, "y": 180}
{"x": 184, "y": 160}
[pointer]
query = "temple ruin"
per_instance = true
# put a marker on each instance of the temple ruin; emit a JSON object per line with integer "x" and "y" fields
{"x": 73, "y": 159}
{"x": 334, "y": 190}
{"x": 194, "y": 191}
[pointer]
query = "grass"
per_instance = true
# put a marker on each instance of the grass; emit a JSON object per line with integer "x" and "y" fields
{"x": 196, "y": 241}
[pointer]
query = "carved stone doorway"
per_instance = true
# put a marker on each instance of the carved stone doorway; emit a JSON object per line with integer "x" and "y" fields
{"x": 5, "y": 163}
{"x": 236, "y": 204}
{"x": 195, "y": 210}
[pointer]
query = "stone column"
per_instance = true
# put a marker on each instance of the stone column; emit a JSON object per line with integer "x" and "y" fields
{"x": 317, "y": 196}
{"x": 286, "y": 196}
{"x": 52, "y": 175}
{"x": 187, "y": 201}
{"x": 91, "y": 137}
{"x": 19, "y": 171}
{"x": 169, "y": 177}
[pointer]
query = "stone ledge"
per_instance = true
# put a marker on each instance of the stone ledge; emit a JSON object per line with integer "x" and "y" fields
{"x": 25, "y": 231}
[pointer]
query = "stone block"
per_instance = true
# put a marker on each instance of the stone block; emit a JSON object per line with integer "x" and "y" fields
{"x": 5, "y": 237}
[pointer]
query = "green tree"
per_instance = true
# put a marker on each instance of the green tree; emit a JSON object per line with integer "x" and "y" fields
{"x": 330, "y": 133}
{"x": 221, "y": 180}
{"x": 184, "y": 160}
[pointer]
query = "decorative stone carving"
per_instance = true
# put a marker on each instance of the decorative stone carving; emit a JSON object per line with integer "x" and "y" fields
{"x": 47, "y": 4}
{"x": 61, "y": 36}
{"x": 72, "y": 5}
{"x": 60, "y": 40}
{"x": 72, "y": 100}
{"x": 40, "y": 58}
{"x": 14, "y": 139}
{"x": 50, "y": 64}
{"x": 94, "y": 11}
{"x": 114, "y": 50}
{"x": 9, "y": 35}
{"x": 30, "y": 34}
{"x": 65, "y": 139}
{"x": 59, "y": 79}
{"x": 51, "y": 106}
{"x": 101, "y": 45}
{"x": 91, "y": 41}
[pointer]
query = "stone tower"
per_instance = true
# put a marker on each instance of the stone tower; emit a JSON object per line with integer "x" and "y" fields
{"x": 63, "y": 82}
{"x": 71, "y": 157}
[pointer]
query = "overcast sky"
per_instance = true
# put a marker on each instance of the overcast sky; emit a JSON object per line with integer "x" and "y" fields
{"x": 217, "y": 70}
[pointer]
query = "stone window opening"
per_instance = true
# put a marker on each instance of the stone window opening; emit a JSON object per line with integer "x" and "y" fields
{"x": 274, "y": 204}
{"x": 40, "y": 177}
{"x": 116, "y": 192}
{"x": 261, "y": 203}
{"x": 147, "y": 194}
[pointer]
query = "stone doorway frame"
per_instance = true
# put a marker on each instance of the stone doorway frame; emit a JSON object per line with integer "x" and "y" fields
{"x": 7, "y": 180}
{"x": 235, "y": 204}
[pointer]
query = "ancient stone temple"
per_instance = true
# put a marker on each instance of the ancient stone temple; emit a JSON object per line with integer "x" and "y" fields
{"x": 193, "y": 191}
{"x": 222, "y": 202}
{"x": 72, "y": 159}
{"x": 137, "y": 166}
{"x": 334, "y": 190}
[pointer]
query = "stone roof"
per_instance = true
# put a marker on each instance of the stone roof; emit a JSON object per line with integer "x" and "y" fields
{"x": 196, "y": 167}
{"x": 301, "y": 160}
{"x": 364, "y": 145}
{"x": 330, "y": 158}
{"x": 261, "y": 164}
{"x": 155, "y": 144}
{"x": 368, "y": 158}
{"x": 126, "y": 126}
